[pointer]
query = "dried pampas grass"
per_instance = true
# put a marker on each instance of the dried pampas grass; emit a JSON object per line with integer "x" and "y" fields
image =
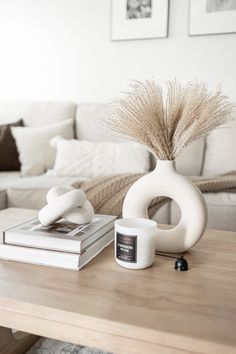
{"x": 167, "y": 126}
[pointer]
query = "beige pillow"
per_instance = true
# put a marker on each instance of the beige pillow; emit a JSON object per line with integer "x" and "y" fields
{"x": 35, "y": 153}
{"x": 220, "y": 156}
{"x": 190, "y": 161}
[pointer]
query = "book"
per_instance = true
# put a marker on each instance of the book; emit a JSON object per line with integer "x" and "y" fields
{"x": 8, "y": 223}
{"x": 62, "y": 236}
{"x": 55, "y": 258}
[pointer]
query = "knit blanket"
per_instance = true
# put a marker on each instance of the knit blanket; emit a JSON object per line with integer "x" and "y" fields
{"x": 107, "y": 194}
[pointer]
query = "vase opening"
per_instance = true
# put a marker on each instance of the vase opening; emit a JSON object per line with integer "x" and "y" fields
{"x": 165, "y": 166}
{"x": 168, "y": 215}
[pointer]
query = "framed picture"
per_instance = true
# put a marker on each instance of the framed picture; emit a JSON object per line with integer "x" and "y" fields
{"x": 138, "y": 19}
{"x": 212, "y": 17}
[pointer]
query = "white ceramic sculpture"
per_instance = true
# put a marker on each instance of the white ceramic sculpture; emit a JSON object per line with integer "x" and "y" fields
{"x": 69, "y": 204}
{"x": 166, "y": 181}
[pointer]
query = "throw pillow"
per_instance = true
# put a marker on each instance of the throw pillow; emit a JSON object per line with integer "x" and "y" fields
{"x": 9, "y": 159}
{"x": 220, "y": 156}
{"x": 93, "y": 159}
{"x": 190, "y": 161}
{"x": 35, "y": 153}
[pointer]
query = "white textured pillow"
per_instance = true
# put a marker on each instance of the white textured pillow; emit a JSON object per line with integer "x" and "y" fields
{"x": 35, "y": 153}
{"x": 92, "y": 159}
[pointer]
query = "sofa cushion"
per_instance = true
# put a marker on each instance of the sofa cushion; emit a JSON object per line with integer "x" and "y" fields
{"x": 8, "y": 177}
{"x": 47, "y": 180}
{"x": 89, "y": 124}
{"x": 30, "y": 192}
{"x": 190, "y": 161}
{"x": 29, "y": 198}
{"x": 221, "y": 211}
{"x": 162, "y": 215}
{"x": 5, "y": 179}
{"x": 220, "y": 155}
{"x": 9, "y": 159}
{"x": 94, "y": 159}
{"x": 35, "y": 153}
{"x": 36, "y": 113}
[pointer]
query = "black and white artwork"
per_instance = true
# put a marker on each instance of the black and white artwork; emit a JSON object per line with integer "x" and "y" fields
{"x": 138, "y": 9}
{"x": 220, "y": 5}
{"x": 212, "y": 17}
{"x": 139, "y": 19}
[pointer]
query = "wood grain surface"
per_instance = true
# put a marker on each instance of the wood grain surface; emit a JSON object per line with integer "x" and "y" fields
{"x": 130, "y": 311}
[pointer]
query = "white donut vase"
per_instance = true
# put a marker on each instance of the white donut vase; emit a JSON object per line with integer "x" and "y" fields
{"x": 66, "y": 203}
{"x": 165, "y": 181}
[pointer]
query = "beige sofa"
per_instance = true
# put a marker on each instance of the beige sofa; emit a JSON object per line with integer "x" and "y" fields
{"x": 215, "y": 155}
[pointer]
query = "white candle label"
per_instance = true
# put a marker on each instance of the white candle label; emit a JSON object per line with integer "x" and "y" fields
{"x": 126, "y": 248}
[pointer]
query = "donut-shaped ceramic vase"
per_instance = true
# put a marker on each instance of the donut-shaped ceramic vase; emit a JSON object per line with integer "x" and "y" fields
{"x": 167, "y": 182}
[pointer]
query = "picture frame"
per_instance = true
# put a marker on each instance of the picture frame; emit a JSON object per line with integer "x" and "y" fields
{"x": 138, "y": 19}
{"x": 212, "y": 17}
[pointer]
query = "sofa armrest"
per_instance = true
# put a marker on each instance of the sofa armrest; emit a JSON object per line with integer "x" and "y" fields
{"x": 221, "y": 211}
{"x": 3, "y": 199}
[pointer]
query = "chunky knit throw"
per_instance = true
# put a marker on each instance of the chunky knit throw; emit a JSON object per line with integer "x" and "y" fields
{"x": 107, "y": 193}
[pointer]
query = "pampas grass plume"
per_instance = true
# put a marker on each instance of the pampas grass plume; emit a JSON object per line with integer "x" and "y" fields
{"x": 167, "y": 126}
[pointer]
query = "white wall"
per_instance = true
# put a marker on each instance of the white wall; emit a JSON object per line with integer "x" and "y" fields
{"x": 60, "y": 50}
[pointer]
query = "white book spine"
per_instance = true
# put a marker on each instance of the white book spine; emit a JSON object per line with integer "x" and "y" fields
{"x": 54, "y": 258}
{"x": 41, "y": 257}
{"x": 48, "y": 242}
{"x": 8, "y": 226}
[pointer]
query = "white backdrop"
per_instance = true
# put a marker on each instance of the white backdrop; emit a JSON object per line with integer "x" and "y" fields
{"x": 60, "y": 50}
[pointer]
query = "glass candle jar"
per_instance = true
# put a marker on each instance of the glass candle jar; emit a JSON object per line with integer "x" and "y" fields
{"x": 135, "y": 241}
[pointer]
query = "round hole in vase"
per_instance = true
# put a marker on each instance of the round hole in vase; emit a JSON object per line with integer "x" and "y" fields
{"x": 166, "y": 181}
{"x": 168, "y": 215}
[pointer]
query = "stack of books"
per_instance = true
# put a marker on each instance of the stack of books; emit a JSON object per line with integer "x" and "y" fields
{"x": 63, "y": 244}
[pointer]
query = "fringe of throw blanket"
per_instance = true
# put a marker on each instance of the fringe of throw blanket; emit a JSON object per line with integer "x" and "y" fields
{"x": 107, "y": 193}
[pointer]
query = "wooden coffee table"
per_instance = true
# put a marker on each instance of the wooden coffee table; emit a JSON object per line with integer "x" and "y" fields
{"x": 156, "y": 310}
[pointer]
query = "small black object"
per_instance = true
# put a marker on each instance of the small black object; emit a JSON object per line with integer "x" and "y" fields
{"x": 181, "y": 264}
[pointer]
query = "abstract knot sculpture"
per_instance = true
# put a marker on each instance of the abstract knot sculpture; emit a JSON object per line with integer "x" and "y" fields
{"x": 71, "y": 205}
